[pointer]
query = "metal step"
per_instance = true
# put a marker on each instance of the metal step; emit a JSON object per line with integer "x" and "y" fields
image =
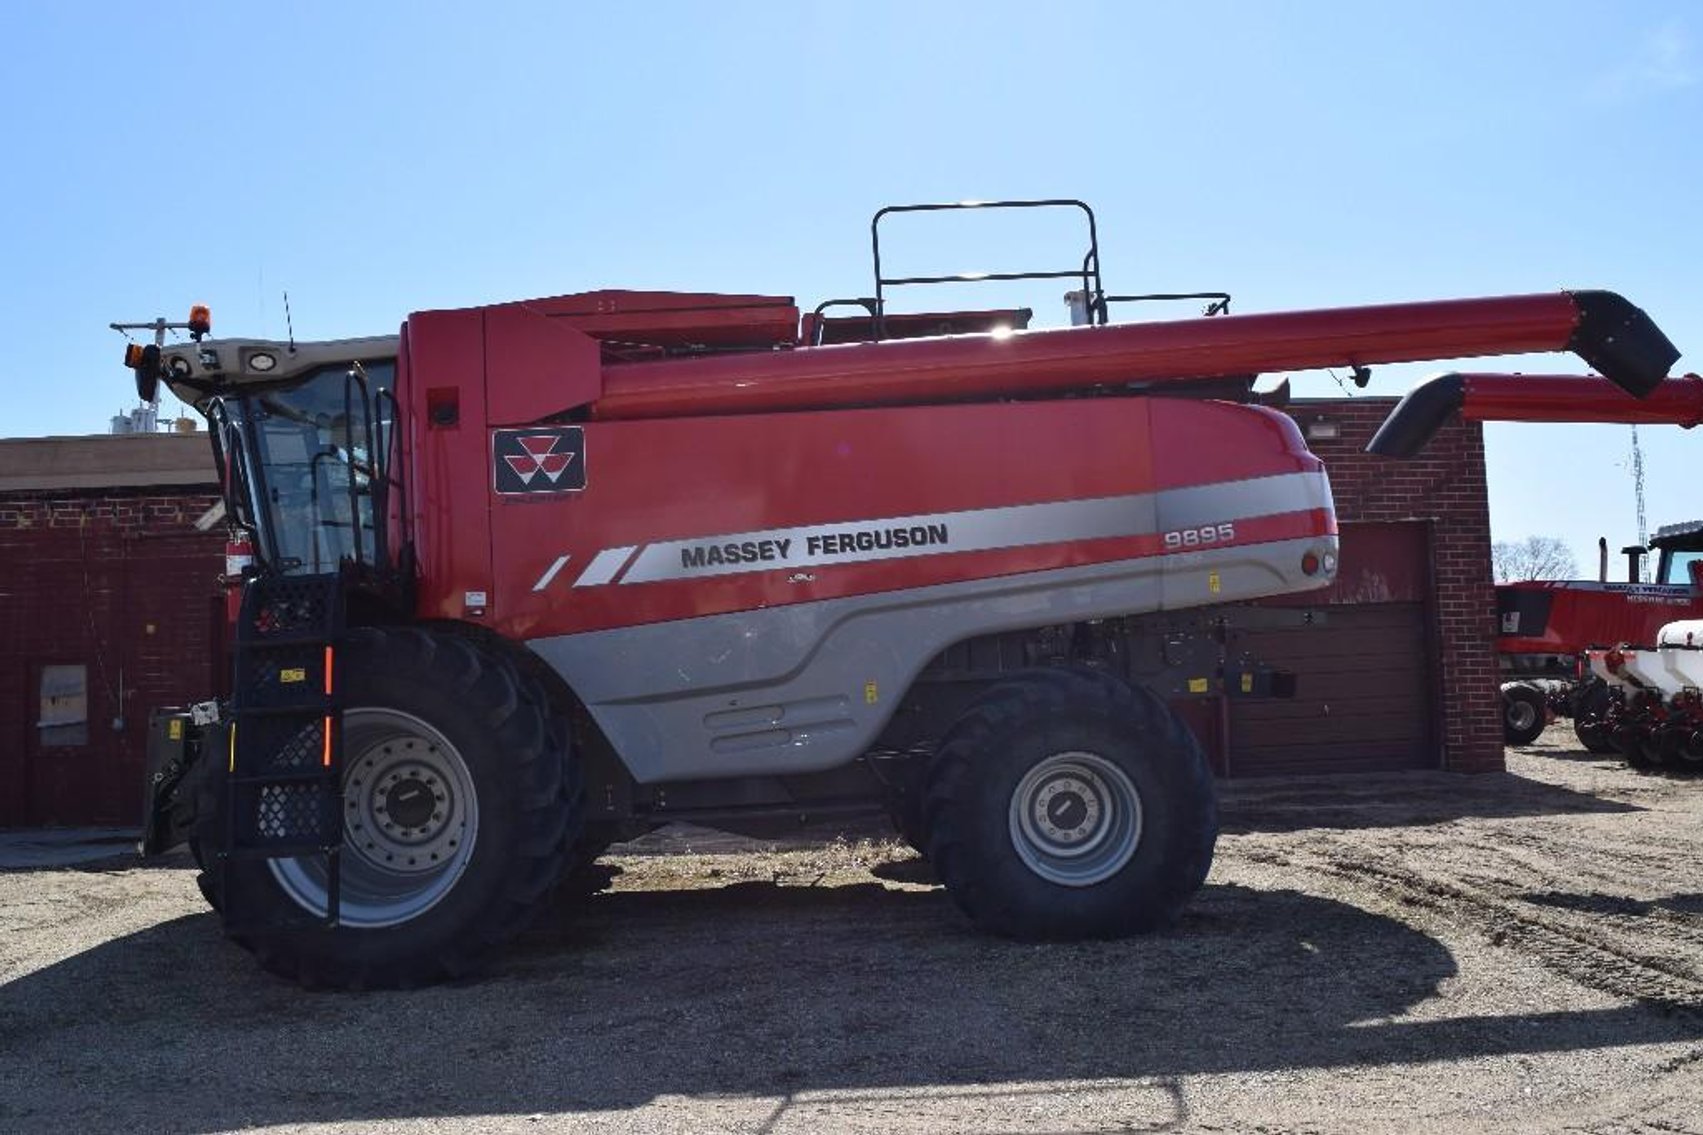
{"x": 306, "y": 776}
{"x": 306, "y": 710}
{"x": 283, "y": 785}
{"x": 280, "y": 851}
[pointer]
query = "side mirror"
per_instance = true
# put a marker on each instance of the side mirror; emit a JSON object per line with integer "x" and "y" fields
{"x": 145, "y": 361}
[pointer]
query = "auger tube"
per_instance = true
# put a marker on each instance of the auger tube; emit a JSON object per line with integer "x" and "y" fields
{"x": 1531, "y": 398}
{"x": 1599, "y": 326}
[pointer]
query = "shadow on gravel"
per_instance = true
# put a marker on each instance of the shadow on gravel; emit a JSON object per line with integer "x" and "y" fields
{"x": 750, "y": 990}
{"x": 1407, "y": 799}
{"x": 1576, "y": 756}
{"x": 1691, "y": 903}
{"x": 1677, "y": 772}
{"x": 51, "y": 849}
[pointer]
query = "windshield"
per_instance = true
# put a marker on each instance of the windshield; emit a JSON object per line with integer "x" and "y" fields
{"x": 305, "y": 466}
{"x": 1676, "y": 565}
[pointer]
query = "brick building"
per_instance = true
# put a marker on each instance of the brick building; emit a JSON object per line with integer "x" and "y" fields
{"x": 1404, "y": 666}
{"x": 108, "y": 606}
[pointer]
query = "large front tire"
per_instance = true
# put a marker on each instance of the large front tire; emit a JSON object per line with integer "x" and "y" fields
{"x": 1066, "y": 804}
{"x": 460, "y": 798}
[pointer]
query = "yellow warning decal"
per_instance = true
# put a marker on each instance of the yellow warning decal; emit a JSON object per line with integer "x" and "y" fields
{"x": 298, "y": 674}
{"x": 871, "y": 694}
{"x": 1197, "y": 685}
{"x": 174, "y": 729}
{"x": 1212, "y": 584}
{"x": 1247, "y": 683}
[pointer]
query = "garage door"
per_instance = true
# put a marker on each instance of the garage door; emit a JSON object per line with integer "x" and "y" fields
{"x": 1366, "y": 687}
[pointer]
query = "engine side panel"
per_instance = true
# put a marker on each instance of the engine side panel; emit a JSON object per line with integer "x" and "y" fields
{"x": 656, "y": 521}
{"x": 805, "y": 687}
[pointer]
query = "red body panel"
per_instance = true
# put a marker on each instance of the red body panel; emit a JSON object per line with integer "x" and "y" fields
{"x": 448, "y": 465}
{"x": 1584, "y": 614}
{"x": 664, "y": 480}
{"x": 1037, "y": 362}
{"x": 520, "y": 347}
{"x": 674, "y": 319}
{"x": 1571, "y": 398}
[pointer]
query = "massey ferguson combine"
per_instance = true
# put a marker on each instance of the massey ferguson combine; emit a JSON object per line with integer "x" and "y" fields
{"x": 533, "y": 577}
{"x": 1573, "y": 647}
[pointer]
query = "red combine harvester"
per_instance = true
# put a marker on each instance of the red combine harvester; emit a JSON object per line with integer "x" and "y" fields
{"x": 535, "y": 577}
{"x": 1545, "y": 628}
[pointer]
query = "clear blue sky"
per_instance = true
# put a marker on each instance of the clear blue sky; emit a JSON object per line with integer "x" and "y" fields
{"x": 376, "y": 159}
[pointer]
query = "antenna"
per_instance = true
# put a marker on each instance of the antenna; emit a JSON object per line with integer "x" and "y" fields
{"x": 288, "y": 322}
{"x": 1638, "y": 492}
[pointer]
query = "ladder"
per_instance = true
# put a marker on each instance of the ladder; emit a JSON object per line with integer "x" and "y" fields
{"x": 284, "y": 747}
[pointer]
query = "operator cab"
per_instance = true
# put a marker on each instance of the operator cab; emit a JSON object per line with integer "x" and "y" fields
{"x": 301, "y": 435}
{"x": 307, "y": 456}
{"x": 1681, "y": 546}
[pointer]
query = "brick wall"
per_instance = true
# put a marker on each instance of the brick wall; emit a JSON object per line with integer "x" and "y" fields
{"x": 117, "y": 581}
{"x": 1444, "y": 485}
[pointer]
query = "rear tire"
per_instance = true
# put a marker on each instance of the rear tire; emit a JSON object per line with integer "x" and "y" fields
{"x": 1524, "y": 713}
{"x": 479, "y": 730}
{"x": 1066, "y": 804}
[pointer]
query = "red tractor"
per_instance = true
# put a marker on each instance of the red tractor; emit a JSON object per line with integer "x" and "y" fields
{"x": 535, "y": 577}
{"x": 1545, "y": 627}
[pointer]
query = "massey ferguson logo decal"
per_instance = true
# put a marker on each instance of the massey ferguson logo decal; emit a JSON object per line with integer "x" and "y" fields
{"x": 545, "y": 460}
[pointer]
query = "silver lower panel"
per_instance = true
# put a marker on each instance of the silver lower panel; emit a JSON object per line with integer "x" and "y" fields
{"x": 809, "y": 686}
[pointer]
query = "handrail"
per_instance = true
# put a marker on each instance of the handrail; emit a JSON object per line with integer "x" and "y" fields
{"x": 1220, "y": 304}
{"x": 386, "y": 466}
{"x": 1089, "y": 274}
{"x": 358, "y": 376}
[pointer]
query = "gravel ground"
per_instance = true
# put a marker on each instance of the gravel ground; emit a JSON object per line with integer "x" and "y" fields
{"x": 1519, "y": 952}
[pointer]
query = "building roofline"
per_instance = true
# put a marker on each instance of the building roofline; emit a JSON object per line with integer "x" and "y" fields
{"x": 103, "y": 461}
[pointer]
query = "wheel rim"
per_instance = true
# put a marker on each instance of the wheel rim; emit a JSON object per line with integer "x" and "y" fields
{"x": 1075, "y": 819}
{"x": 410, "y": 819}
{"x": 1521, "y": 715}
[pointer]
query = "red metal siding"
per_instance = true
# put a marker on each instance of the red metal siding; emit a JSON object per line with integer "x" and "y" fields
{"x": 119, "y": 582}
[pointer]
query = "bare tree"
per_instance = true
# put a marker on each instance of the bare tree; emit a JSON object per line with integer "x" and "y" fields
{"x": 1535, "y": 557}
